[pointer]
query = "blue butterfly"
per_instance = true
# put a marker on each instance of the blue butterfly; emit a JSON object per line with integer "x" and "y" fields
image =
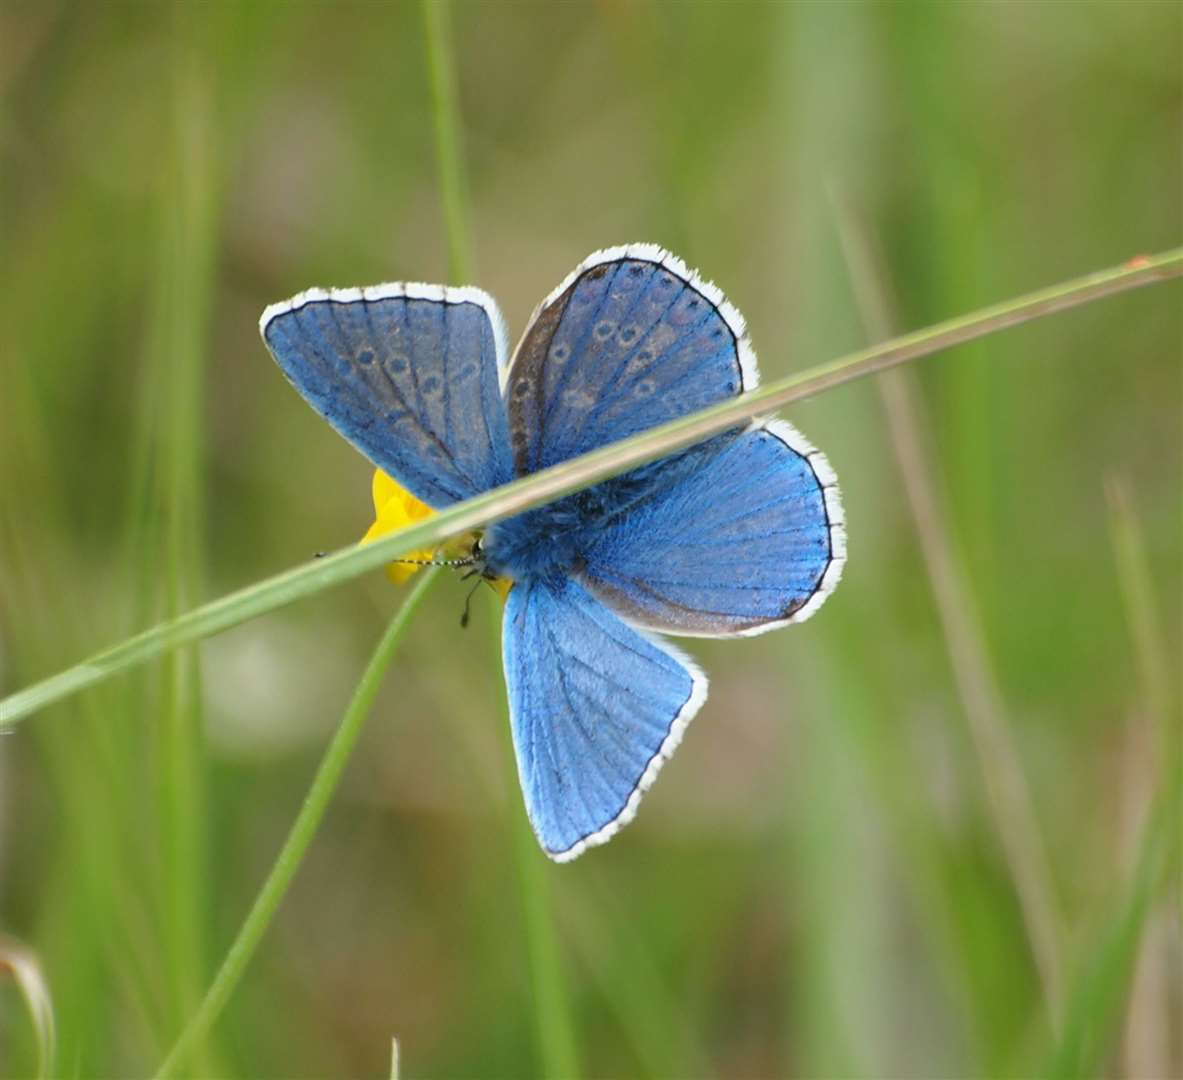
{"x": 740, "y": 534}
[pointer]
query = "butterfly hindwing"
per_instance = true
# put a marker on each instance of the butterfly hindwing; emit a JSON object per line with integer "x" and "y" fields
{"x": 753, "y": 538}
{"x": 596, "y": 708}
{"x": 408, "y": 374}
{"x": 630, "y": 340}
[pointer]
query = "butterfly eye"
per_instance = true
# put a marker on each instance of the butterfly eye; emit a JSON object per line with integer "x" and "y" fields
{"x": 365, "y": 358}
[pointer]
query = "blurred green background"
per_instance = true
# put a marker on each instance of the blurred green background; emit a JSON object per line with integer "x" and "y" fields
{"x": 816, "y": 886}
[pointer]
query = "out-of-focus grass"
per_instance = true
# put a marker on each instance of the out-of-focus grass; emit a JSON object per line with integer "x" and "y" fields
{"x": 813, "y": 887}
{"x": 189, "y": 202}
{"x": 1008, "y": 796}
{"x": 20, "y": 968}
{"x": 192, "y": 1041}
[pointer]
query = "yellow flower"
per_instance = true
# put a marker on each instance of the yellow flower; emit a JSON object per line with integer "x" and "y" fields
{"x": 395, "y": 507}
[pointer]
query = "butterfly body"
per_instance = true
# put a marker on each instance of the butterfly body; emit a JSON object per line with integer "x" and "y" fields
{"x": 540, "y": 542}
{"x": 737, "y": 535}
{"x": 556, "y": 538}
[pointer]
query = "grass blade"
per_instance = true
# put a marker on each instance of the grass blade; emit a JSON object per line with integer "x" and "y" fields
{"x": 554, "y": 1027}
{"x": 186, "y": 283}
{"x": 1095, "y": 999}
{"x": 559, "y": 480}
{"x": 1153, "y": 742}
{"x": 1009, "y": 795}
{"x": 22, "y": 965}
{"x": 1137, "y": 589}
{"x": 552, "y": 1012}
{"x": 304, "y": 828}
{"x": 437, "y": 26}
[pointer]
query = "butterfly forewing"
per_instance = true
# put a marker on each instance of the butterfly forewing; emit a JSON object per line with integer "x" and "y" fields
{"x": 410, "y": 380}
{"x": 632, "y": 340}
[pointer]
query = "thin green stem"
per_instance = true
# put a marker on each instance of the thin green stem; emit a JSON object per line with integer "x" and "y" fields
{"x": 304, "y": 828}
{"x": 186, "y": 281}
{"x": 580, "y": 472}
{"x": 1152, "y": 747}
{"x": 554, "y": 1029}
{"x": 445, "y": 94}
{"x": 1138, "y": 597}
{"x": 1008, "y": 793}
{"x": 21, "y": 963}
{"x": 1095, "y": 1000}
{"x": 556, "y": 1037}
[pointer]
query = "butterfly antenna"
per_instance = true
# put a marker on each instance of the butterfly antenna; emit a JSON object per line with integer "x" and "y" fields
{"x": 417, "y": 562}
{"x": 467, "y": 602}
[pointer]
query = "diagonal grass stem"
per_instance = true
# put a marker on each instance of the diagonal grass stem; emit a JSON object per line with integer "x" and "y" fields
{"x": 580, "y": 472}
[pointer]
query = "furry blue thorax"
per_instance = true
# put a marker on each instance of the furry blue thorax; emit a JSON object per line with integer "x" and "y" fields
{"x": 540, "y": 543}
{"x": 552, "y": 539}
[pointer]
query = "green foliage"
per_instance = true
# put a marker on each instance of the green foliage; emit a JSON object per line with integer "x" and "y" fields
{"x": 816, "y": 886}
